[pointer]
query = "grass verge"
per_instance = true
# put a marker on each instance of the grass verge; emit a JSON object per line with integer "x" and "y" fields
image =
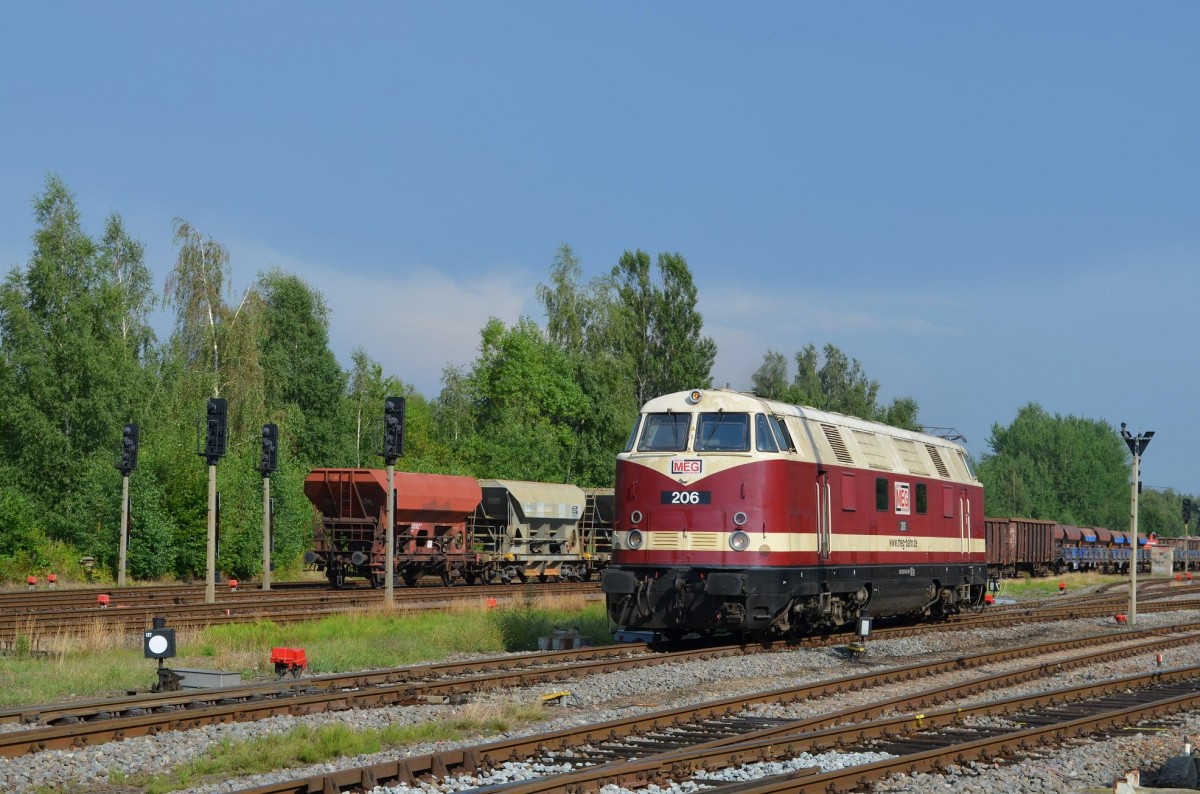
{"x": 99, "y": 663}
{"x": 303, "y": 745}
{"x": 1038, "y": 587}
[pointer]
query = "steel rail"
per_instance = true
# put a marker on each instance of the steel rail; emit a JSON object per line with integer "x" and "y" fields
{"x": 180, "y": 712}
{"x": 1161, "y": 693}
{"x": 78, "y": 711}
{"x": 137, "y": 617}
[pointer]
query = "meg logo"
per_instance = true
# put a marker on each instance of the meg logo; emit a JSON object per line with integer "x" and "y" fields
{"x": 686, "y": 466}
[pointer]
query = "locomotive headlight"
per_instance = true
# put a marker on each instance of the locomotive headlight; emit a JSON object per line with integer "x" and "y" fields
{"x": 739, "y": 518}
{"x": 634, "y": 539}
{"x": 635, "y": 517}
{"x": 694, "y": 397}
{"x": 739, "y": 541}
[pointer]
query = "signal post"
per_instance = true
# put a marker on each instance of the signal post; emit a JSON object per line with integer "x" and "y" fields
{"x": 270, "y": 445}
{"x": 213, "y": 451}
{"x": 126, "y": 463}
{"x": 393, "y": 447}
{"x": 1137, "y": 445}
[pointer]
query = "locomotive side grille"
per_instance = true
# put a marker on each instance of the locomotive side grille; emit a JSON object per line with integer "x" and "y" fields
{"x": 912, "y": 458}
{"x": 938, "y": 463}
{"x": 705, "y": 541}
{"x": 839, "y": 446}
{"x": 869, "y": 444}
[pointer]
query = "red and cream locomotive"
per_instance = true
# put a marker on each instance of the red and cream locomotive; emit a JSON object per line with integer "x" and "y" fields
{"x": 737, "y": 514}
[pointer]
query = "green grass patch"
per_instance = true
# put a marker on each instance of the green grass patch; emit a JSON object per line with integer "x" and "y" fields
{"x": 303, "y": 745}
{"x": 103, "y": 664}
{"x": 1038, "y": 587}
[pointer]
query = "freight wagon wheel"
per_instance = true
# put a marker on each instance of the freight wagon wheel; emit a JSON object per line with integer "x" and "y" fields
{"x": 469, "y": 578}
{"x": 543, "y": 578}
{"x": 377, "y": 580}
{"x": 410, "y": 579}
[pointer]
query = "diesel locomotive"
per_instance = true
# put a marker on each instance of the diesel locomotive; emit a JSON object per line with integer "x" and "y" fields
{"x": 742, "y": 515}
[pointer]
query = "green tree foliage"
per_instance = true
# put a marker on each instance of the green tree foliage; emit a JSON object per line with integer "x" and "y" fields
{"x": 216, "y": 350}
{"x": 1068, "y": 469}
{"x": 1159, "y": 511}
{"x": 301, "y": 375}
{"x": 834, "y": 382}
{"x": 526, "y": 406}
{"x": 76, "y": 352}
{"x": 657, "y": 327}
{"x": 582, "y": 321}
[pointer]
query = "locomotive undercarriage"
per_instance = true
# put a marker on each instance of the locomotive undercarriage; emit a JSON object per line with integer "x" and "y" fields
{"x": 676, "y": 601}
{"x": 466, "y": 568}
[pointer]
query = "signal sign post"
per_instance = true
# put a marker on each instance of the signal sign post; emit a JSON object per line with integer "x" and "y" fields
{"x": 213, "y": 451}
{"x": 1137, "y": 445}
{"x": 393, "y": 447}
{"x": 126, "y": 463}
{"x": 270, "y": 445}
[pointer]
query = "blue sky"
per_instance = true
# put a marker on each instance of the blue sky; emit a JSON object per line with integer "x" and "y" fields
{"x": 986, "y": 204}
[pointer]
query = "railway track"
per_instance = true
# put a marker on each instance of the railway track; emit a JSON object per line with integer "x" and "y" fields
{"x": 79, "y": 724}
{"x": 56, "y": 715}
{"x": 675, "y": 744}
{"x": 242, "y": 607}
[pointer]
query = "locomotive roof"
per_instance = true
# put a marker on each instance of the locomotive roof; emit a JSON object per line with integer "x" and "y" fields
{"x": 730, "y": 400}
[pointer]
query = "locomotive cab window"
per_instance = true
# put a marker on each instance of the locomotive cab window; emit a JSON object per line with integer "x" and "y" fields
{"x": 665, "y": 433}
{"x": 922, "y": 498}
{"x": 881, "y": 494}
{"x": 632, "y": 434}
{"x": 782, "y": 437}
{"x": 966, "y": 459}
{"x": 722, "y": 432}
{"x": 764, "y": 439}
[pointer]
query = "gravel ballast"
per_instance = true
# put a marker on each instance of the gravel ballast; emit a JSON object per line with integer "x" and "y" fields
{"x": 618, "y": 695}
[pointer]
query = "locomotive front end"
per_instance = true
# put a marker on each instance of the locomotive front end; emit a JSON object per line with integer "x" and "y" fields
{"x": 701, "y": 518}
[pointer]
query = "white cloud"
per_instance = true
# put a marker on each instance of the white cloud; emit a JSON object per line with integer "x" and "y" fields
{"x": 413, "y": 320}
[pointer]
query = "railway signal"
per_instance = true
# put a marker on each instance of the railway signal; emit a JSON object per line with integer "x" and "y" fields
{"x": 159, "y": 643}
{"x": 393, "y": 429}
{"x": 214, "y": 431}
{"x": 1137, "y": 446}
{"x": 127, "y": 457}
{"x": 270, "y": 446}
{"x": 213, "y": 451}
{"x": 393, "y": 447}
{"x": 267, "y": 464}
